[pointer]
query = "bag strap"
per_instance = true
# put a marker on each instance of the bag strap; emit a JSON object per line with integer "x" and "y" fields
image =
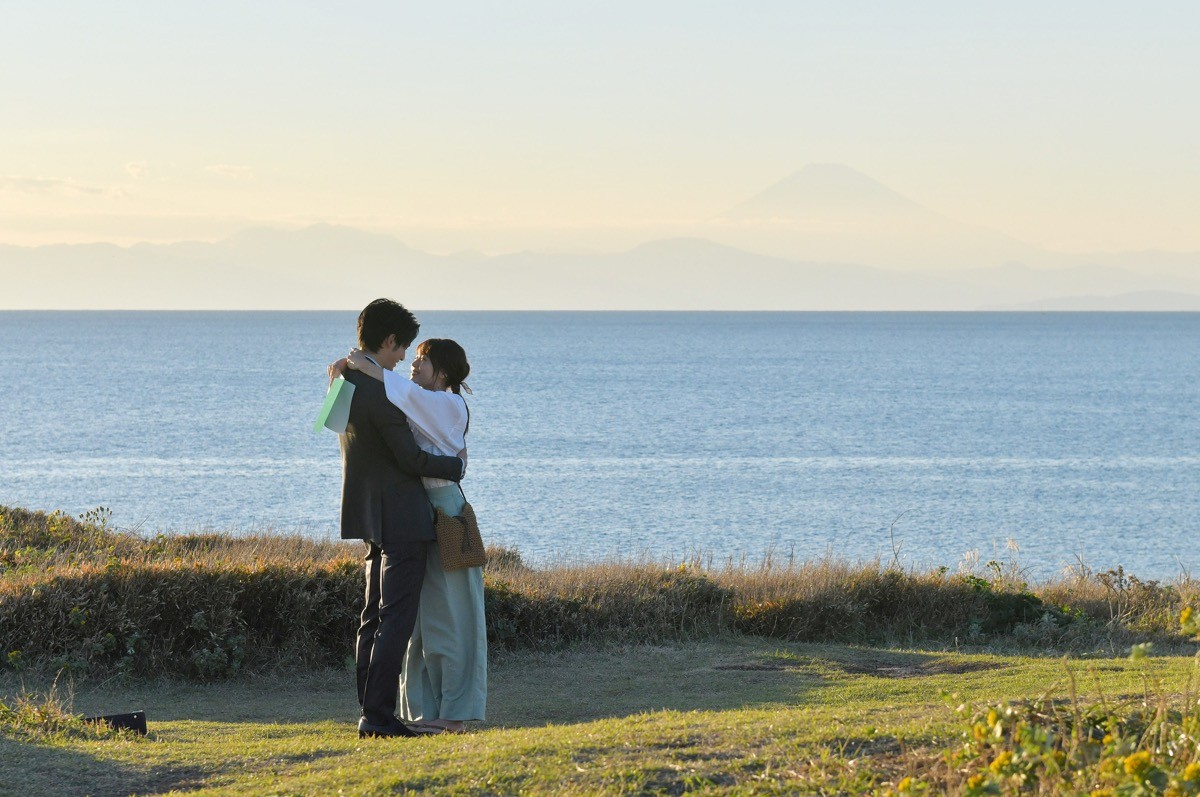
{"x": 457, "y": 484}
{"x": 465, "y": 430}
{"x": 434, "y": 509}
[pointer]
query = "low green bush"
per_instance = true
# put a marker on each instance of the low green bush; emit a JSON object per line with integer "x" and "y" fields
{"x": 874, "y": 605}
{"x": 201, "y": 620}
{"x": 644, "y": 605}
{"x": 76, "y": 595}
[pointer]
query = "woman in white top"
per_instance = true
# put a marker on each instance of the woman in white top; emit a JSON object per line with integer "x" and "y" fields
{"x": 444, "y": 680}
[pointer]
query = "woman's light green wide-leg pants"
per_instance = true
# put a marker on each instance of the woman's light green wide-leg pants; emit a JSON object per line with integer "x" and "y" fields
{"x": 445, "y": 670}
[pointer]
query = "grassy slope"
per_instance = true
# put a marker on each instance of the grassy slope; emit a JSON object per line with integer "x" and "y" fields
{"x": 734, "y": 714}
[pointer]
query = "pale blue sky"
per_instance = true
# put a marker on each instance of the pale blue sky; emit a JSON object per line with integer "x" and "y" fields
{"x": 1070, "y": 125}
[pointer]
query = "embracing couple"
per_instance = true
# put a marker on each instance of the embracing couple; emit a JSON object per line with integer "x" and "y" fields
{"x": 403, "y": 453}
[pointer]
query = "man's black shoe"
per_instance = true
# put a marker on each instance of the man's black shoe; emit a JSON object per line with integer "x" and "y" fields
{"x": 393, "y": 728}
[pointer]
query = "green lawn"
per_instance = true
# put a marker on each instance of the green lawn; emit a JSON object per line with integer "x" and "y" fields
{"x": 734, "y": 715}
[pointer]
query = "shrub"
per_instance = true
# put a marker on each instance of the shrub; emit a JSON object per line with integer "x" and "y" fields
{"x": 201, "y": 620}
{"x": 829, "y": 602}
{"x": 636, "y": 604}
{"x": 75, "y": 594}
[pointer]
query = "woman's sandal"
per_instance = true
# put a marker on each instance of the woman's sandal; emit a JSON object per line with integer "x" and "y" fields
{"x": 426, "y": 730}
{"x": 421, "y": 727}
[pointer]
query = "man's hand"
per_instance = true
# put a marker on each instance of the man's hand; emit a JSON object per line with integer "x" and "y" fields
{"x": 337, "y": 369}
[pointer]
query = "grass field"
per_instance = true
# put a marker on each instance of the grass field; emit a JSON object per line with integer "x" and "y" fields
{"x": 728, "y": 715}
{"x": 615, "y": 677}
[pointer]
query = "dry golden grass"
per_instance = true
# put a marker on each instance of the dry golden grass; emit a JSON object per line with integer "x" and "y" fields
{"x": 76, "y": 594}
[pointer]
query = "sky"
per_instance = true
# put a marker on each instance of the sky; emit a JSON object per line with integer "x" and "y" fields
{"x": 1071, "y": 126}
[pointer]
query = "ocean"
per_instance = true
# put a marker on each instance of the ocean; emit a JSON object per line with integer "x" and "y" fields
{"x": 1048, "y": 439}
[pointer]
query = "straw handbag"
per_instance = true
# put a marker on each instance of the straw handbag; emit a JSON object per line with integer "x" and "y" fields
{"x": 458, "y": 538}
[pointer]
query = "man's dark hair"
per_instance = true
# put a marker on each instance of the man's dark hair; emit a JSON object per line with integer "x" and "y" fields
{"x": 384, "y": 317}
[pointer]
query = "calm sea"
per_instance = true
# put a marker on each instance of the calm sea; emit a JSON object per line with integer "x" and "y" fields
{"x": 856, "y": 435}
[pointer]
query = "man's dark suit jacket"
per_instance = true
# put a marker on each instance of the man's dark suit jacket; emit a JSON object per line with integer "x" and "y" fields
{"x": 383, "y": 500}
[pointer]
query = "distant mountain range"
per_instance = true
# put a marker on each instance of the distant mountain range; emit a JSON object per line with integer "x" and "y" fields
{"x": 823, "y": 190}
{"x": 825, "y": 238}
{"x": 1138, "y": 301}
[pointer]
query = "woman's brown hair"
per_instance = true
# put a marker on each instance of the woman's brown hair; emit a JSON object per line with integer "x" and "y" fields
{"x": 448, "y": 359}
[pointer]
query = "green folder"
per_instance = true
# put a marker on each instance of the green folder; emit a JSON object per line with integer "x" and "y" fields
{"x": 335, "y": 412}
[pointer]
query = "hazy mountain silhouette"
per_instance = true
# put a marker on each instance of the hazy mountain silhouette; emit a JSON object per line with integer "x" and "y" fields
{"x": 1138, "y": 301}
{"x": 821, "y": 191}
{"x": 824, "y": 238}
{"x": 315, "y": 267}
{"x": 833, "y": 212}
{"x": 338, "y": 267}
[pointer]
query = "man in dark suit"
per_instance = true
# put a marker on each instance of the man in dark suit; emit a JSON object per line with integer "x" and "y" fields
{"x": 384, "y": 504}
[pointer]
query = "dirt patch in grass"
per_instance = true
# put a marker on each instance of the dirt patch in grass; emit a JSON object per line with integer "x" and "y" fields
{"x": 664, "y": 780}
{"x": 898, "y": 665}
{"x": 873, "y": 747}
{"x": 892, "y": 669}
{"x": 756, "y": 666}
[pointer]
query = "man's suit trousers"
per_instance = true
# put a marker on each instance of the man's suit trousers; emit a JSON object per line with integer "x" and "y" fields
{"x": 394, "y": 573}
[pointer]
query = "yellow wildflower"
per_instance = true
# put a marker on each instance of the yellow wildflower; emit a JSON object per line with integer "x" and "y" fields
{"x": 992, "y": 717}
{"x": 975, "y": 781}
{"x": 1192, "y": 772}
{"x": 1188, "y": 622}
{"x": 1137, "y": 764}
{"x": 1002, "y": 761}
{"x": 904, "y": 785}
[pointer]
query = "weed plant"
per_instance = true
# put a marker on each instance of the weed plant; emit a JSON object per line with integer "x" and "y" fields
{"x": 44, "y": 716}
{"x": 1147, "y": 744}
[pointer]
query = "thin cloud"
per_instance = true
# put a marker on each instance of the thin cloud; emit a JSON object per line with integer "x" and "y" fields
{"x": 50, "y": 186}
{"x": 138, "y": 169}
{"x": 233, "y": 172}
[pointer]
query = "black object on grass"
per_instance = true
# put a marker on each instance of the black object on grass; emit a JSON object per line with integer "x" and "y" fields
{"x": 134, "y": 721}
